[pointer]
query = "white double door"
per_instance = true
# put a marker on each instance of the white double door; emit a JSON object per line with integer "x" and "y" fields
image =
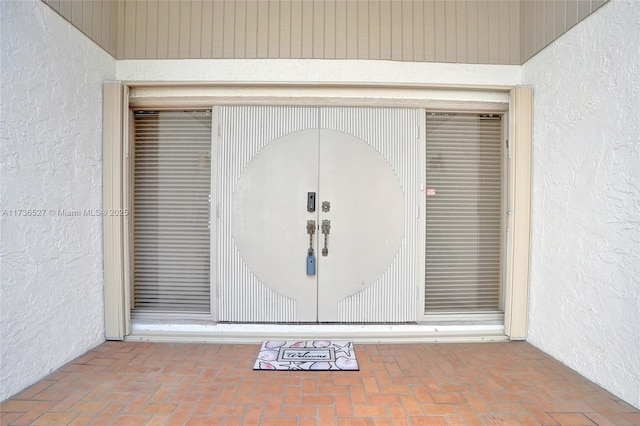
{"x": 350, "y": 175}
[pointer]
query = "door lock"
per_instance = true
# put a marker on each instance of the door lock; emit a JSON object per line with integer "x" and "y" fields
{"x": 311, "y": 258}
{"x": 311, "y": 202}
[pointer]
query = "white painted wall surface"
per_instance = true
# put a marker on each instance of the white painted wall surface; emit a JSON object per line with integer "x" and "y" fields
{"x": 585, "y": 265}
{"x": 51, "y": 300}
{"x": 317, "y": 70}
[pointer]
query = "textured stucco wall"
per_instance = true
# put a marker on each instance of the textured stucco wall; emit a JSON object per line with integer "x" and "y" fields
{"x": 318, "y": 70}
{"x": 51, "y": 302}
{"x": 585, "y": 265}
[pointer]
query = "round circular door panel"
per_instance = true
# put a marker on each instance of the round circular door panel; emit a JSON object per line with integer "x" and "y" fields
{"x": 364, "y": 209}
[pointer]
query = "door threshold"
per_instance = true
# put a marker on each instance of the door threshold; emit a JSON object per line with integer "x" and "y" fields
{"x": 359, "y": 333}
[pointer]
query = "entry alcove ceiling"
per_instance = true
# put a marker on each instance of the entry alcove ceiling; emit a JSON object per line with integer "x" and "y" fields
{"x": 506, "y": 32}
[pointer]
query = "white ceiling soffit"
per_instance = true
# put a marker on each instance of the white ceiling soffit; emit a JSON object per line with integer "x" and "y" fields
{"x": 478, "y": 32}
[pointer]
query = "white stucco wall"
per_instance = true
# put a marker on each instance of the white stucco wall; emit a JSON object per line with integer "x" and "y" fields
{"x": 51, "y": 301}
{"x": 585, "y": 265}
{"x": 317, "y": 70}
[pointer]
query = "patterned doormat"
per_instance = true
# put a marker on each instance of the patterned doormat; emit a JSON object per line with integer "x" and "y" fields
{"x": 312, "y": 355}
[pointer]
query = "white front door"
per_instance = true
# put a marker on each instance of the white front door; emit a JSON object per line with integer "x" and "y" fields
{"x": 360, "y": 167}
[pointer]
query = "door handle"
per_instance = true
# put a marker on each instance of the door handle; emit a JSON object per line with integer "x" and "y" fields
{"x": 326, "y": 228}
{"x": 311, "y": 258}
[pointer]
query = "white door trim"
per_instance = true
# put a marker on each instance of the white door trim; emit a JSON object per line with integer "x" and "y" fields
{"x": 370, "y": 333}
{"x": 518, "y": 100}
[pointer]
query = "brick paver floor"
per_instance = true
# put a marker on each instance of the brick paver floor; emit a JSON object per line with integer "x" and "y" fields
{"x": 131, "y": 383}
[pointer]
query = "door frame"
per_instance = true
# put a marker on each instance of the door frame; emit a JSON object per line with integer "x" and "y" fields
{"x": 120, "y": 96}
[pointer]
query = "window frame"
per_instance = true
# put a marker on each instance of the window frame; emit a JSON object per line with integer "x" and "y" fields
{"x": 479, "y": 315}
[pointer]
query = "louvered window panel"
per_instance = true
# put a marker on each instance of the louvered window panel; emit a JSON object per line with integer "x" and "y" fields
{"x": 172, "y": 180}
{"x": 464, "y": 187}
